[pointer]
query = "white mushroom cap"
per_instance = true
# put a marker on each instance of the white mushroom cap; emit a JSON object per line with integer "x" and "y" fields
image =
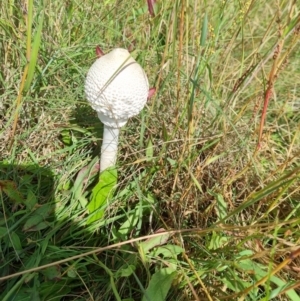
{"x": 116, "y": 87}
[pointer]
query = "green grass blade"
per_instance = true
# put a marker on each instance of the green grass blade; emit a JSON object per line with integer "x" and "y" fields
{"x": 34, "y": 53}
{"x": 204, "y": 31}
{"x": 282, "y": 183}
{"x": 29, "y": 28}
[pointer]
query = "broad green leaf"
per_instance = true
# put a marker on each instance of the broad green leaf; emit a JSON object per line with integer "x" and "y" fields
{"x": 39, "y": 226}
{"x": 126, "y": 271}
{"x": 37, "y": 221}
{"x": 44, "y": 210}
{"x": 153, "y": 242}
{"x": 167, "y": 251}
{"x": 159, "y": 285}
{"x": 15, "y": 240}
{"x": 72, "y": 272}
{"x": 101, "y": 194}
{"x": 32, "y": 222}
{"x": 52, "y": 273}
{"x": 11, "y": 190}
{"x": 172, "y": 162}
{"x": 31, "y": 200}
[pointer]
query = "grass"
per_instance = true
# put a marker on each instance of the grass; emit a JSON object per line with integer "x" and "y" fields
{"x": 207, "y": 201}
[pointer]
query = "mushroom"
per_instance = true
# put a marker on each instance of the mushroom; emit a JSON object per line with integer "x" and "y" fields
{"x": 117, "y": 88}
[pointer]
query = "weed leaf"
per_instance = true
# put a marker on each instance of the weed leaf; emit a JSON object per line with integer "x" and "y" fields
{"x": 37, "y": 221}
{"x": 52, "y": 272}
{"x": 167, "y": 251}
{"x": 32, "y": 224}
{"x": 126, "y": 271}
{"x": 10, "y": 189}
{"x": 82, "y": 180}
{"x": 16, "y": 242}
{"x": 159, "y": 285}
{"x": 101, "y": 193}
{"x": 153, "y": 242}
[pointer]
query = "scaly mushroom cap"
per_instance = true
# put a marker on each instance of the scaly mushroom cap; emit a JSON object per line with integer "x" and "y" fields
{"x": 116, "y": 87}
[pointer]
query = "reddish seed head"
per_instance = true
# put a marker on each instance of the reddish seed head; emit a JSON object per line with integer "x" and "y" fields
{"x": 151, "y": 92}
{"x": 99, "y": 51}
{"x": 151, "y": 7}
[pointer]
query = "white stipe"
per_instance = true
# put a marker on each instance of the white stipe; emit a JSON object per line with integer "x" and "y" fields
{"x": 109, "y": 147}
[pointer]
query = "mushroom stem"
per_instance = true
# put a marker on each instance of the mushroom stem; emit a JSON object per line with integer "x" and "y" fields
{"x": 109, "y": 147}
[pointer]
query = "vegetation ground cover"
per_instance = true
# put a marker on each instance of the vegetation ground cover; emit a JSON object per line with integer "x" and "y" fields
{"x": 207, "y": 201}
